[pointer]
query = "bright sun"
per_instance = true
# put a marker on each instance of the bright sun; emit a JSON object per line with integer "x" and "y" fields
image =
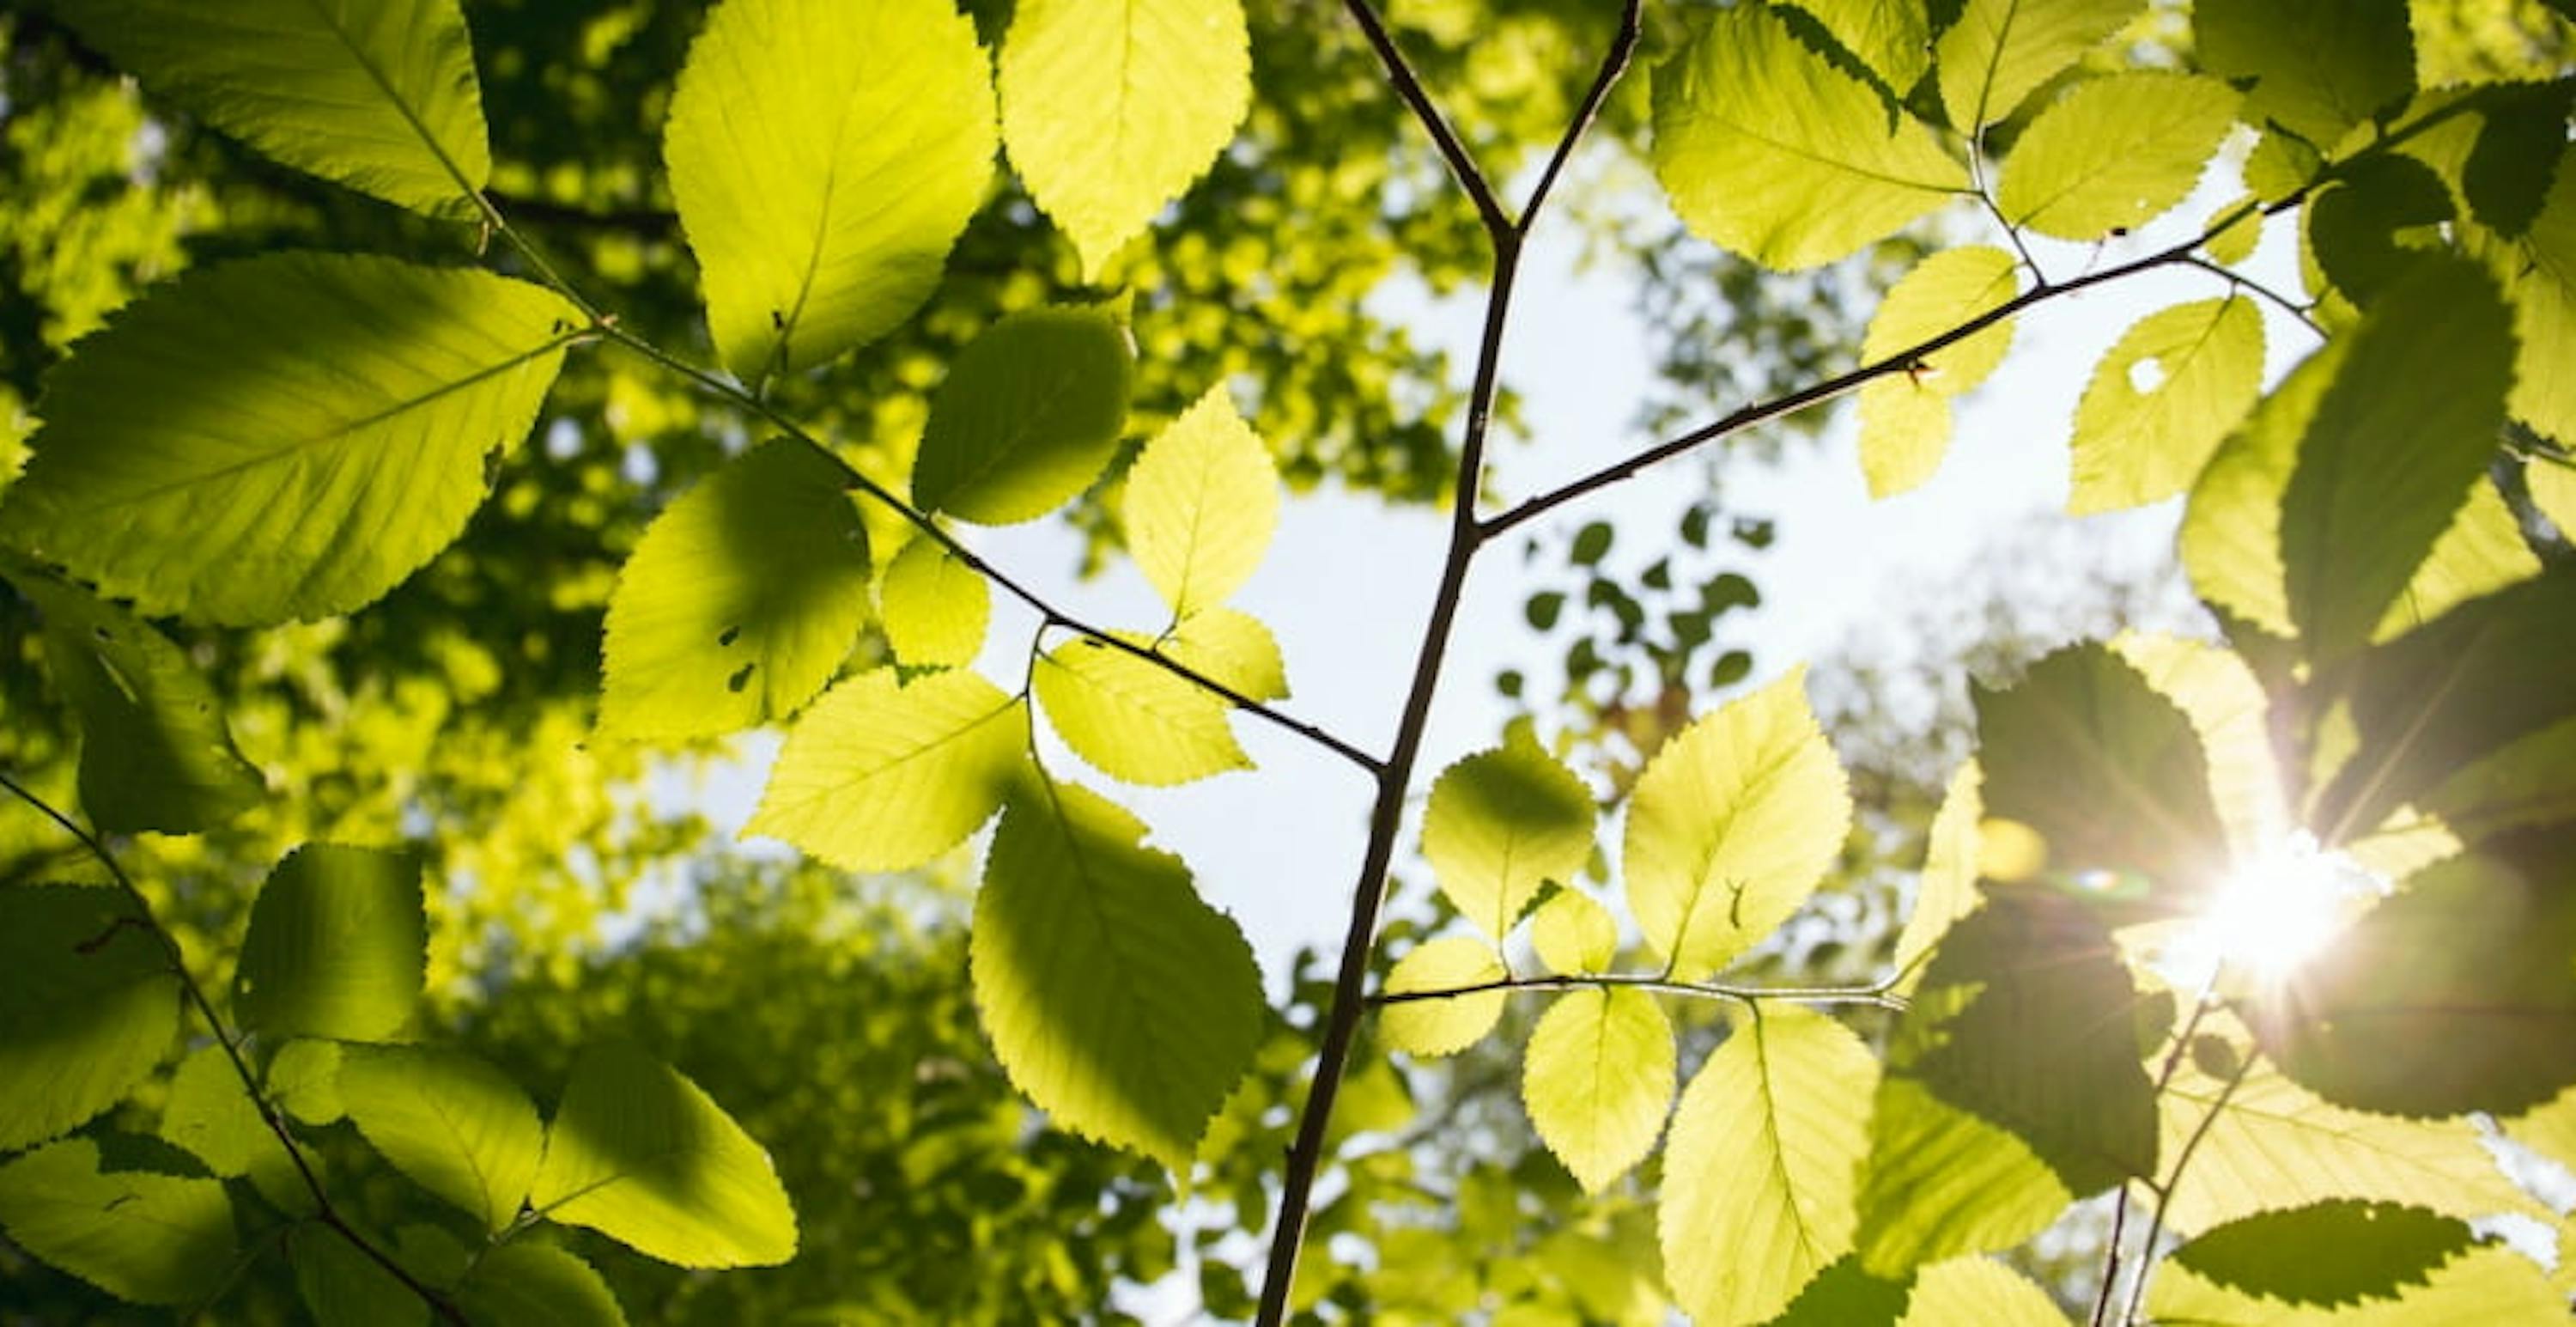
{"x": 2272, "y": 914}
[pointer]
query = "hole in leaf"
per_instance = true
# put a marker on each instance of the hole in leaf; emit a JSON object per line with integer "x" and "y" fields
{"x": 727, "y": 637}
{"x": 2146, "y": 375}
{"x": 741, "y": 678}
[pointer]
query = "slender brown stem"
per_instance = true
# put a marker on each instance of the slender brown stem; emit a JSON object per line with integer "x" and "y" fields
{"x": 2173, "y": 1181}
{"x": 269, "y": 1114}
{"x": 1875, "y": 995}
{"x": 1453, "y": 150}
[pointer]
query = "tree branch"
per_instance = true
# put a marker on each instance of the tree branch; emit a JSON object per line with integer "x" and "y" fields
{"x": 1876, "y": 994}
{"x": 324, "y": 1211}
{"x": 1462, "y": 165}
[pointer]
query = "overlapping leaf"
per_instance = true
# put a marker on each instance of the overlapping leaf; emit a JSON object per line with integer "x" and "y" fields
{"x": 934, "y": 607}
{"x": 1202, "y": 504}
{"x": 2000, "y": 51}
{"x": 2334, "y": 1252}
{"x": 1500, "y": 825}
{"x": 1116, "y": 998}
{"x": 342, "y": 1287}
{"x": 526, "y": 1284}
{"x": 457, "y": 1126}
{"x": 1134, "y": 720}
{"x": 1443, "y": 1024}
{"x": 883, "y": 775}
{"x": 140, "y": 1235}
{"x": 1892, "y": 37}
{"x": 1573, "y": 933}
{"x": 337, "y": 947}
{"x": 2162, "y": 400}
{"x": 2486, "y": 1285}
{"x": 1905, "y": 417}
{"x": 378, "y": 95}
{"x": 1597, "y": 1079}
{"x": 1112, "y": 109}
{"x": 1731, "y": 826}
{"x": 824, "y": 157}
{"x": 90, "y": 1006}
{"x": 286, "y": 436}
{"x": 1233, "y": 648}
{"x": 2114, "y": 154}
{"x": 740, "y": 602}
{"x": 212, "y": 1116}
{"x": 1027, "y": 418}
{"x": 2313, "y": 67}
{"x": 640, "y": 1154}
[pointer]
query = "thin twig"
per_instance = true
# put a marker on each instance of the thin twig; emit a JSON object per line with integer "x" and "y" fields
{"x": 1453, "y": 150}
{"x": 324, "y": 1211}
{"x": 2200, "y": 1006}
{"x": 1623, "y": 44}
{"x": 2173, "y": 1181}
{"x": 1748, "y": 995}
{"x": 2243, "y": 282}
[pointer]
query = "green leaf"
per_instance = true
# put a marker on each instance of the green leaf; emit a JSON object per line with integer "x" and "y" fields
{"x": 1116, "y": 998}
{"x": 2107, "y": 771}
{"x": 303, "y": 1078}
{"x": 1500, "y": 825}
{"x": 1573, "y": 933}
{"x": 155, "y": 751}
{"x": 1905, "y": 417}
{"x": 2431, "y": 701}
{"x": 338, "y": 945}
{"x": 935, "y": 607}
{"x": 1598, "y": 1078}
{"x": 2000, "y": 51}
{"x": 1132, "y": 720}
{"x": 1448, "y": 1024}
{"x": 739, "y": 603}
{"x": 524, "y": 1284}
{"x": 1948, "y": 888}
{"x": 1892, "y": 37}
{"x": 2485, "y": 1285}
{"x": 2313, "y": 67}
{"x": 90, "y": 1006}
{"x": 1845, "y": 1295}
{"x": 1759, "y": 1177}
{"x": 138, "y": 1235}
{"x": 343, "y": 1287}
{"x": 2551, "y": 483}
{"x": 1233, "y": 647}
{"x": 2162, "y": 401}
{"x": 2231, "y": 529}
{"x": 1202, "y": 504}
{"x": 455, "y": 1125}
{"x": 2274, "y": 1145}
{"x": 824, "y": 158}
{"x": 2236, "y": 231}
{"x": 378, "y": 95}
{"x": 1731, "y": 826}
{"x": 1027, "y": 418}
{"x": 2539, "y": 271}
{"x": 2453, "y": 995}
{"x": 1941, "y": 1182}
{"x": 884, "y": 775}
{"x": 286, "y": 436}
{"x": 1112, "y": 109}
{"x": 638, "y": 1153}
{"x": 2481, "y": 553}
{"x": 2115, "y": 153}
{"x": 1979, "y": 1292}
{"x": 1768, "y": 150}
{"x": 2228, "y": 709}
{"x": 2549, "y": 1130}
{"x": 212, "y": 1116}
{"x": 2370, "y": 222}
{"x": 2336, "y": 1252}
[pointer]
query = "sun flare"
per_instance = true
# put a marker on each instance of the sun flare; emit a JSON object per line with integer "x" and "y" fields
{"x": 2273, "y": 913}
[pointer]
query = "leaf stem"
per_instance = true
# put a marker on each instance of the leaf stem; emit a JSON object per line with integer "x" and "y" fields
{"x": 2173, "y": 1181}
{"x": 324, "y": 1211}
{"x": 1875, "y": 994}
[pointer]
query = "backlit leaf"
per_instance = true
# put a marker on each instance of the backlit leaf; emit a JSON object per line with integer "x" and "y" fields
{"x": 2231, "y": 529}
{"x": 740, "y": 602}
{"x": 90, "y": 1006}
{"x": 527, "y": 1284}
{"x": 1892, "y": 37}
{"x": 2539, "y": 270}
{"x": 1947, "y": 890}
{"x": 1027, "y": 418}
{"x": 1132, "y": 720}
{"x": 303, "y": 1078}
{"x": 1941, "y": 1182}
{"x": 337, "y": 945}
{"x": 1232, "y": 647}
{"x": 1573, "y": 933}
{"x": 2229, "y": 711}
{"x": 455, "y": 1125}
{"x": 1112, "y": 109}
{"x": 212, "y": 1116}
{"x": 2162, "y": 401}
{"x": 2549, "y": 1130}
{"x": 1759, "y": 1176}
{"x": 286, "y": 436}
{"x": 2000, "y": 51}
{"x": 2485, "y": 1285}
{"x": 2482, "y": 552}
{"x": 1444, "y": 1025}
{"x": 378, "y": 95}
{"x": 638, "y": 1153}
{"x": 1202, "y": 503}
{"x": 1731, "y": 826}
{"x": 1117, "y": 999}
{"x": 1770, "y": 151}
{"x": 1500, "y": 825}
{"x": 936, "y": 609}
{"x": 1597, "y": 1078}
{"x": 2313, "y": 67}
{"x": 824, "y": 157}
{"x": 1905, "y": 416}
{"x": 2115, "y": 153}
{"x": 342, "y": 1287}
{"x": 155, "y": 751}
{"x": 139, "y": 1235}
{"x": 883, "y": 775}
{"x": 2336, "y": 1252}
{"x": 1978, "y": 1292}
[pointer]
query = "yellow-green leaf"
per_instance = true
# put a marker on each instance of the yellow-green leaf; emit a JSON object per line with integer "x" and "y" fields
{"x": 2115, "y": 153}
{"x": 1767, "y": 149}
{"x": 2162, "y": 401}
{"x": 212, "y": 1116}
{"x": 1133, "y": 720}
{"x": 2548, "y": 1129}
{"x": 1112, "y": 107}
{"x": 1978, "y": 1292}
{"x": 286, "y": 436}
{"x": 2313, "y": 67}
{"x": 824, "y": 157}
{"x": 1598, "y": 1078}
{"x": 1892, "y": 37}
{"x": 337, "y": 947}
{"x": 455, "y": 1125}
{"x": 2231, "y": 529}
{"x": 883, "y": 775}
{"x": 1947, "y": 889}
{"x": 934, "y": 607}
{"x": 1028, "y": 416}
{"x": 1233, "y": 647}
{"x": 2485, "y": 1285}
{"x": 1732, "y": 825}
{"x": 139, "y": 1235}
{"x": 642, "y": 1155}
{"x": 2000, "y": 51}
{"x": 528, "y": 1284}
{"x": 740, "y": 602}
{"x": 1116, "y": 998}
{"x": 378, "y": 95}
{"x": 1905, "y": 417}
{"x": 2481, "y": 553}
{"x": 1759, "y": 1176}
{"x": 1500, "y": 825}
{"x": 1202, "y": 503}
{"x": 1442, "y": 1025}
{"x": 1573, "y": 933}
